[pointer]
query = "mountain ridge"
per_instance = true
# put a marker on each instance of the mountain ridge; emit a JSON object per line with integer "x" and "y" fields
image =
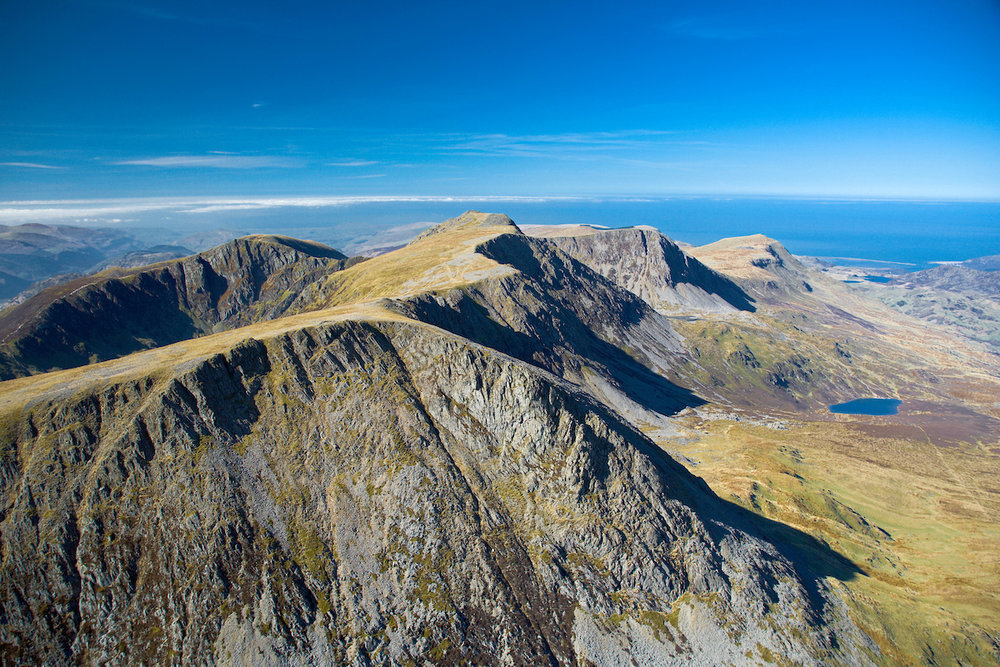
{"x": 466, "y": 450}
{"x": 122, "y": 310}
{"x": 663, "y": 275}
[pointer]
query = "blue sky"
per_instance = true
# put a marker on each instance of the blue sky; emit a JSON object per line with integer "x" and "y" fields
{"x": 150, "y": 99}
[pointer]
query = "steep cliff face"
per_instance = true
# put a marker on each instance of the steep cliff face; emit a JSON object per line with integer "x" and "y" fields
{"x": 556, "y": 313}
{"x": 377, "y": 493}
{"x": 648, "y": 264}
{"x": 117, "y": 312}
{"x": 561, "y": 315}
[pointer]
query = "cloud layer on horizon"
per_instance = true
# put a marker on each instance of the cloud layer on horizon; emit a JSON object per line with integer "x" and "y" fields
{"x": 19, "y": 212}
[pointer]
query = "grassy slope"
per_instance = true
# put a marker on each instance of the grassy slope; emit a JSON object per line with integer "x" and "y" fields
{"x": 911, "y": 500}
{"x": 431, "y": 263}
{"x": 349, "y": 294}
{"x": 918, "y": 518}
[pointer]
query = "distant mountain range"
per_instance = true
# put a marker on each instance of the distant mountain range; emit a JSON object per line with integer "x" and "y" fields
{"x": 567, "y": 446}
{"x": 33, "y": 252}
{"x": 989, "y": 263}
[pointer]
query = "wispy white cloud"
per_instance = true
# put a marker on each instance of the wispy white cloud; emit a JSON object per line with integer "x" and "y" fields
{"x": 30, "y": 165}
{"x": 636, "y": 147}
{"x": 216, "y": 161}
{"x": 352, "y": 163}
{"x": 109, "y": 210}
{"x": 548, "y": 145}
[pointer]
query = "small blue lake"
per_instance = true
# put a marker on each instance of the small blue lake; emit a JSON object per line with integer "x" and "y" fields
{"x": 877, "y": 407}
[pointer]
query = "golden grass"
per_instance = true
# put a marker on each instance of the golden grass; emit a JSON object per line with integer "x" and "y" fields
{"x": 931, "y": 582}
{"x": 440, "y": 261}
{"x": 437, "y": 262}
{"x": 558, "y": 231}
{"x": 735, "y": 256}
{"x": 169, "y": 359}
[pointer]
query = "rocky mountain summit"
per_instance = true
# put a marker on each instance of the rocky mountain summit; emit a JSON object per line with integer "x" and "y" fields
{"x": 119, "y": 311}
{"x": 648, "y": 264}
{"x": 439, "y": 455}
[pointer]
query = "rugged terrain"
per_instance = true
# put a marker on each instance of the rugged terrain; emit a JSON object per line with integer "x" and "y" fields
{"x": 466, "y": 451}
{"x": 122, "y": 310}
{"x": 651, "y": 266}
{"x": 963, "y": 299}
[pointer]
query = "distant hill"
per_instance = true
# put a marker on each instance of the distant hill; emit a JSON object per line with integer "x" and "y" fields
{"x": 988, "y": 263}
{"x": 959, "y": 278}
{"x": 957, "y": 296}
{"x": 209, "y": 239}
{"x": 153, "y": 255}
{"x": 33, "y": 252}
{"x": 36, "y": 256}
{"x": 760, "y": 264}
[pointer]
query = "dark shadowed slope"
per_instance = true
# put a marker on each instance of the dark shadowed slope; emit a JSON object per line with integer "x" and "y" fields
{"x": 119, "y": 311}
{"x": 647, "y": 263}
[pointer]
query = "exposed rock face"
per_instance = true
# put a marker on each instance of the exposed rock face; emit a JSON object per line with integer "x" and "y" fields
{"x": 560, "y": 315}
{"x": 648, "y": 264}
{"x": 115, "y": 313}
{"x": 428, "y": 457}
{"x": 760, "y": 265}
{"x": 378, "y": 493}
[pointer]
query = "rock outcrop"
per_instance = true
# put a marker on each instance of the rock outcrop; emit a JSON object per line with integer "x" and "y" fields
{"x": 120, "y": 311}
{"x": 430, "y": 457}
{"x": 558, "y": 314}
{"x": 650, "y": 265}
